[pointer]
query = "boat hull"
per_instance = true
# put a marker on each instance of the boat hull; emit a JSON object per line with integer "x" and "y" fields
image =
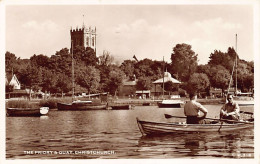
{"x": 149, "y": 128}
{"x": 80, "y": 106}
{"x": 120, "y": 107}
{"x": 175, "y": 105}
{"x": 26, "y": 112}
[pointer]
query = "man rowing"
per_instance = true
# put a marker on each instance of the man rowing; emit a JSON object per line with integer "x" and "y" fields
{"x": 230, "y": 110}
{"x": 192, "y": 110}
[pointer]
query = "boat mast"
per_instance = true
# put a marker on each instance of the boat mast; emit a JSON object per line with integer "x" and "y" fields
{"x": 72, "y": 65}
{"x": 163, "y": 76}
{"x": 236, "y": 66}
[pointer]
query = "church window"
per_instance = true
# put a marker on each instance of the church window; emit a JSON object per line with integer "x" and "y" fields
{"x": 87, "y": 41}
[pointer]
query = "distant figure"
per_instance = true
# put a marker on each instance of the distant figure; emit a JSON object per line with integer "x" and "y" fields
{"x": 192, "y": 111}
{"x": 230, "y": 110}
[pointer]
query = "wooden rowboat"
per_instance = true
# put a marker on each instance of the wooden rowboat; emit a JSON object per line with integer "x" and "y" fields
{"x": 120, "y": 107}
{"x": 27, "y": 112}
{"x": 155, "y": 128}
{"x": 81, "y": 106}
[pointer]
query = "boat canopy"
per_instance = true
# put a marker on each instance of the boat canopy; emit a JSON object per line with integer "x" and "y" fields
{"x": 167, "y": 77}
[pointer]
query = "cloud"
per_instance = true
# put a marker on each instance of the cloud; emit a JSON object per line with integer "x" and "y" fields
{"x": 211, "y": 25}
{"x": 45, "y": 25}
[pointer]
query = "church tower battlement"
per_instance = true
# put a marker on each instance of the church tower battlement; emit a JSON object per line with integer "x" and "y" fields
{"x": 85, "y": 37}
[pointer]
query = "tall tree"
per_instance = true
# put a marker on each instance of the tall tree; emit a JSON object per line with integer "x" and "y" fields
{"x": 198, "y": 82}
{"x": 183, "y": 61}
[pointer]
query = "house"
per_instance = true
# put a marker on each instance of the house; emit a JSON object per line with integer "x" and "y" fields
{"x": 13, "y": 81}
{"x": 215, "y": 92}
{"x": 128, "y": 88}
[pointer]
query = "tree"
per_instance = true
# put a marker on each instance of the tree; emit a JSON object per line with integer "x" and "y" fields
{"x": 170, "y": 86}
{"x": 31, "y": 77}
{"x": 49, "y": 81}
{"x": 198, "y": 82}
{"x": 115, "y": 79}
{"x": 144, "y": 83}
{"x": 183, "y": 61}
{"x": 143, "y": 68}
{"x": 248, "y": 82}
{"x": 63, "y": 84}
{"x": 157, "y": 68}
{"x": 217, "y": 58}
{"x": 89, "y": 78}
{"x": 225, "y": 59}
{"x": 61, "y": 62}
{"x": 10, "y": 60}
{"x": 86, "y": 56}
{"x": 128, "y": 67}
{"x": 220, "y": 77}
{"x": 9, "y": 88}
{"x": 40, "y": 60}
{"x": 106, "y": 58}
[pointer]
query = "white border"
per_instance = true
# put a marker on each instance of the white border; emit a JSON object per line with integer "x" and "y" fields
{"x": 255, "y": 3}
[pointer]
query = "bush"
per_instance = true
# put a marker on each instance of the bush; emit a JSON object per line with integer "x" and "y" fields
{"x": 51, "y": 103}
{"x": 21, "y": 104}
{"x": 182, "y": 92}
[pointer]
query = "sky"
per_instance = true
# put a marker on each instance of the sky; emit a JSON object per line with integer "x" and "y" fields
{"x": 146, "y": 31}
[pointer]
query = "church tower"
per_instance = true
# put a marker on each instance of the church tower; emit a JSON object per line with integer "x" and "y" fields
{"x": 85, "y": 37}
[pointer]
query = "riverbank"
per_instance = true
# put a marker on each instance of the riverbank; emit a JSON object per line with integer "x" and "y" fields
{"x": 137, "y": 102}
{"x": 141, "y": 102}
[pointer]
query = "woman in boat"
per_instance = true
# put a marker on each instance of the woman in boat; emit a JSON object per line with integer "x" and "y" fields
{"x": 230, "y": 110}
{"x": 192, "y": 111}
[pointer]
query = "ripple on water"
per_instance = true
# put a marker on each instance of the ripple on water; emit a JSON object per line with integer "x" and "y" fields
{"x": 118, "y": 131}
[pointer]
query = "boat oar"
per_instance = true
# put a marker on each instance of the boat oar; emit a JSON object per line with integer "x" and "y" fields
{"x": 171, "y": 116}
{"x": 244, "y": 112}
{"x": 220, "y": 124}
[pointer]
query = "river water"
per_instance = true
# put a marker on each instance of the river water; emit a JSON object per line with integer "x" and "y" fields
{"x": 107, "y": 134}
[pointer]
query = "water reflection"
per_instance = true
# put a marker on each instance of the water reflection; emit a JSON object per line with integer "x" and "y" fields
{"x": 199, "y": 144}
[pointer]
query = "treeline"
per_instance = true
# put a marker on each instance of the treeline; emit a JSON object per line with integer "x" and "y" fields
{"x": 99, "y": 74}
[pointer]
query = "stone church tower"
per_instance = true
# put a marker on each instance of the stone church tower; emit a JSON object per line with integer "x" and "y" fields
{"x": 85, "y": 37}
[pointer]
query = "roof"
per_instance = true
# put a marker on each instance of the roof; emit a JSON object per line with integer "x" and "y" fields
{"x": 167, "y": 77}
{"x": 131, "y": 83}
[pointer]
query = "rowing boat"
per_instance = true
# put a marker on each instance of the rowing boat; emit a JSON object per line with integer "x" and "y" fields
{"x": 120, "y": 107}
{"x": 27, "y": 112}
{"x": 79, "y": 105}
{"x": 148, "y": 127}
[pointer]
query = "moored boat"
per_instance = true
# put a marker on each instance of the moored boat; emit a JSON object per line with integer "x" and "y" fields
{"x": 120, "y": 107}
{"x": 81, "y": 105}
{"x": 156, "y": 128}
{"x": 146, "y": 104}
{"x": 170, "y": 104}
{"x": 27, "y": 112}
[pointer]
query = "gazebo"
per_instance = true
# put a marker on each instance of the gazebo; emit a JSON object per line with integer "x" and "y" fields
{"x": 167, "y": 77}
